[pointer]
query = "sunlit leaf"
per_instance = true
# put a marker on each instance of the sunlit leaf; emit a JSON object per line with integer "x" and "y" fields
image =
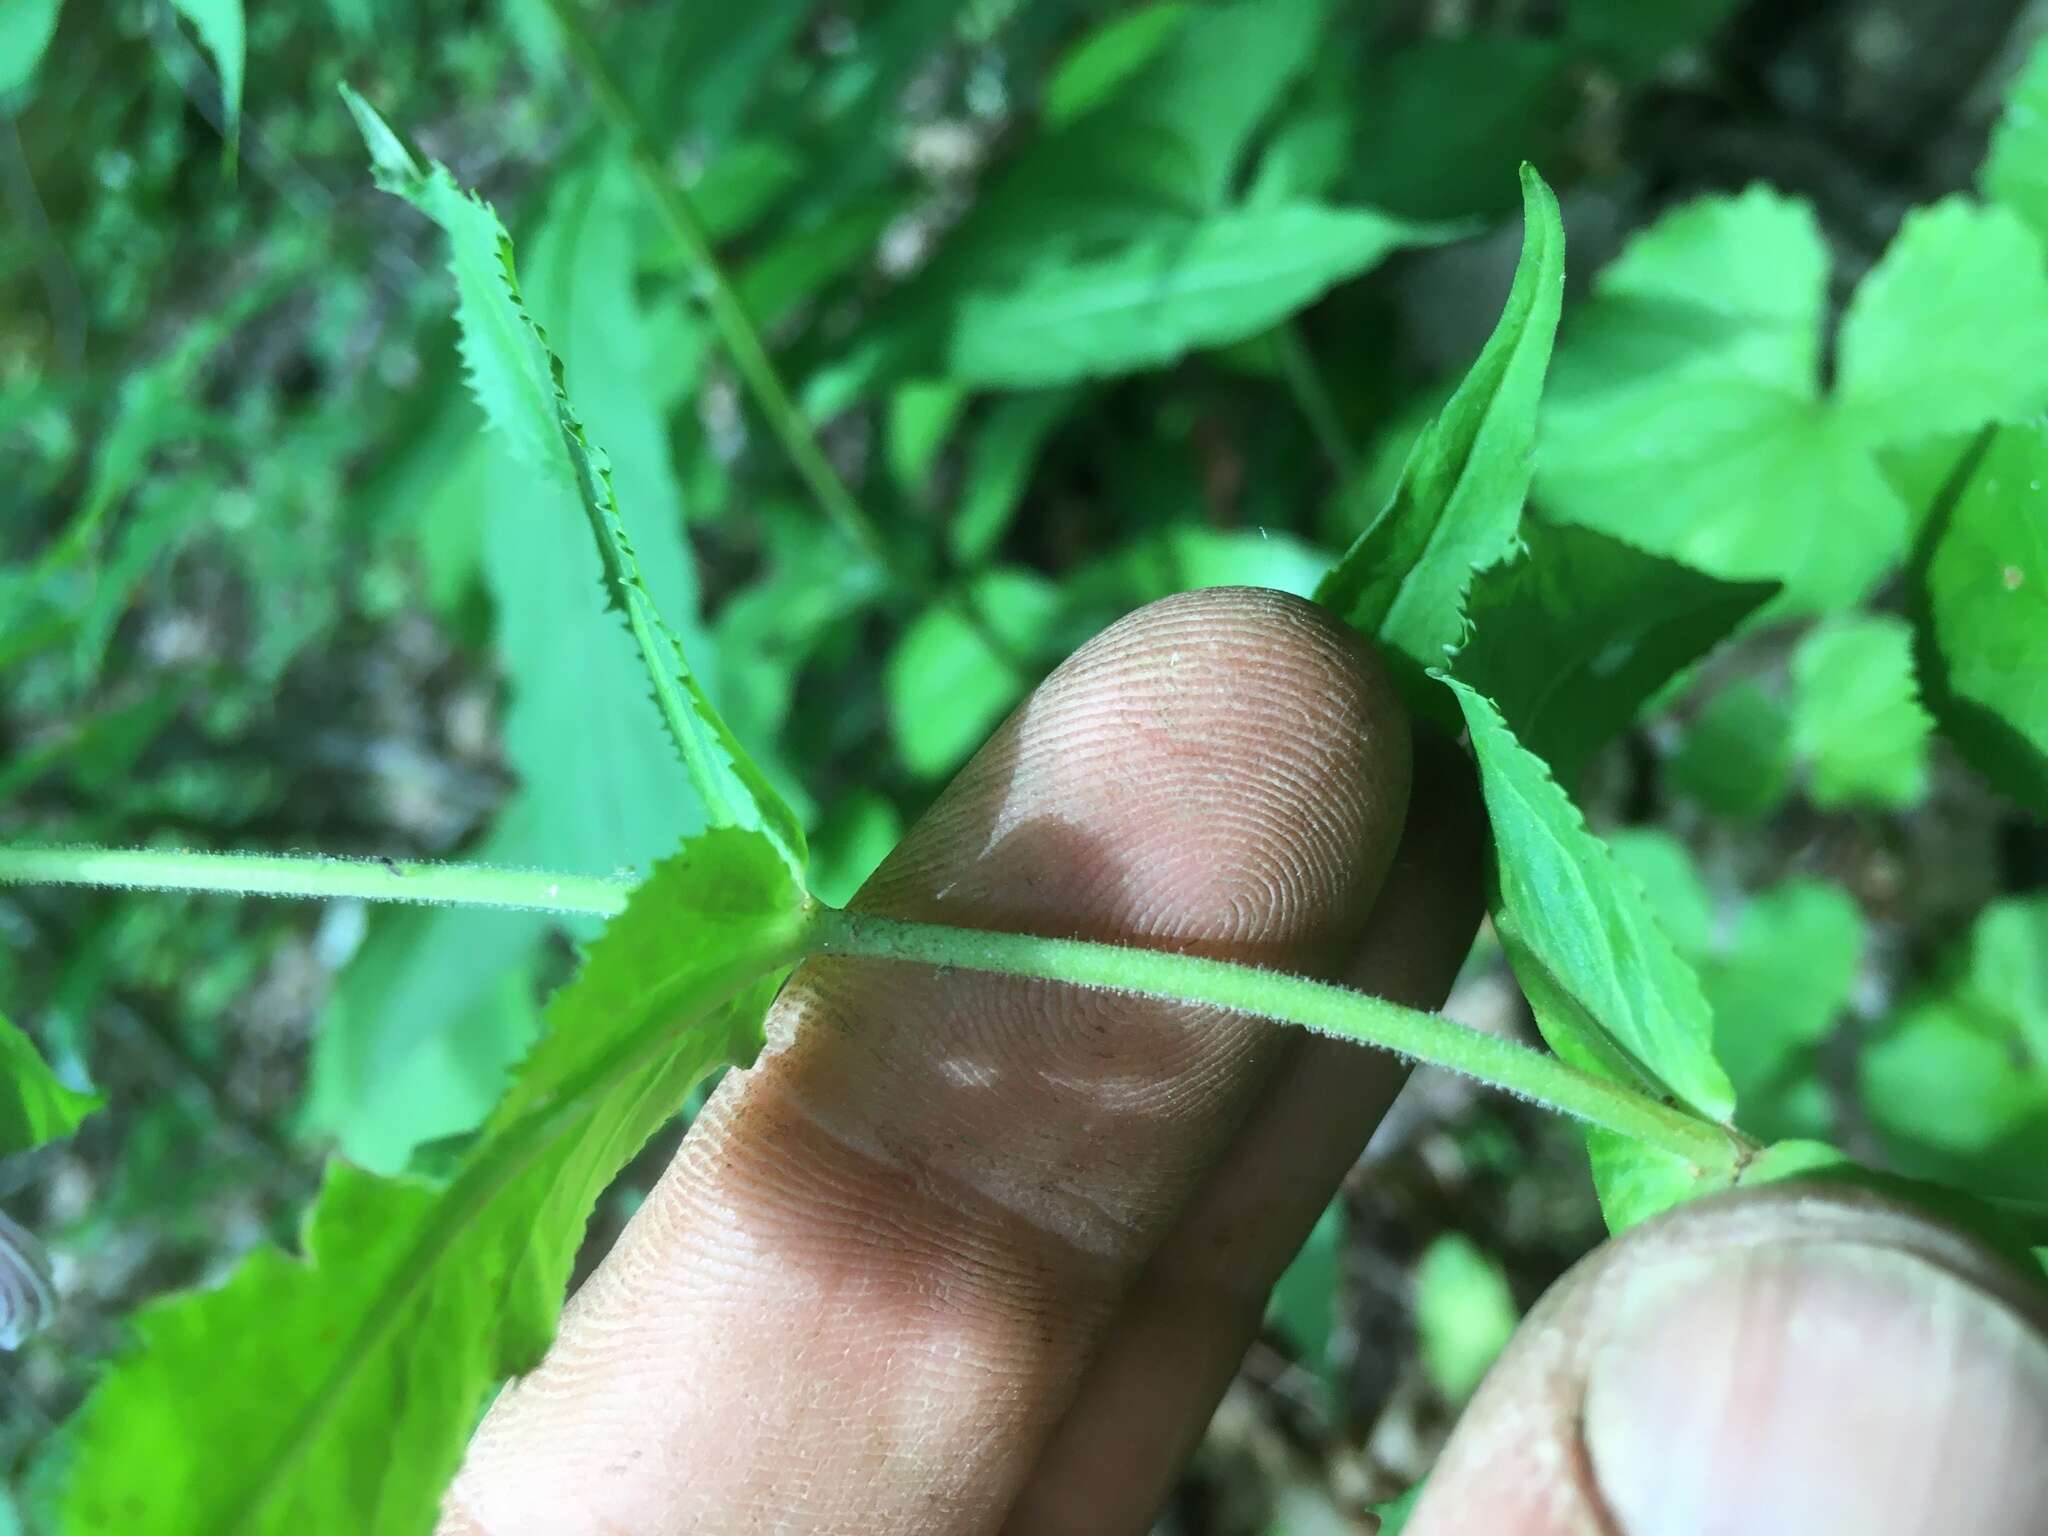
{"x": 1146, "y": 303}
{"x": 35, "y": 1106}
{"x": 519, "y": 384}
{"x": 1856, "y": 714}
{"x": 1981, "y": 608}
{"x": 1686, "y": 413}
{"x": 411, "y": 1299}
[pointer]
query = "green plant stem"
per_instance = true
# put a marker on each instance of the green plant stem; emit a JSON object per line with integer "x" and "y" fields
{"x": 315, "y": 876}
{"x": 743, "y": 342}
{"x": 1298, "y": 364}
{"x": 728, "y": 311}
{"x": 1331, "y": 1010}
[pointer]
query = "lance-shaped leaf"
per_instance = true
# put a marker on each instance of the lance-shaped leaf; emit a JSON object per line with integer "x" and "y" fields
{"x": 1460, "y": 495}
{"x": 375, "y": 1346}
{"x": 1609, "y": 990}
{"x": 518, "y": 381}
{"x": 1156, "y": 298}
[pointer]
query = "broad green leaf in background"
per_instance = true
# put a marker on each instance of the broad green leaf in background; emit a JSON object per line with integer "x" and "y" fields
{"x": 1097, "y": 67}
{"x": 1184, "y": 558}
{"x": 767, "y": 632}
{"x": 1611, "y": 993}
{"x": 999, "y": 466}
{"x": 1736, "y": 755}
{"x": 1949, "y": 330}
{"x": 26, "y": 27}
{"x": 1677, "y": 896}
{"x": 224, "y": 34}
{"x": 1956, "y": 1084}
{"x": 518, "y": 383}
{"x": 35, "y": 1106}
{"x": 2015, "y": 170}
{"x": 922, "y": 415}
{"x": 947, "y": 686}
{"x": 413, "y": 1299}
{"x": 1150, "y": 301}
{"x": 1577, "y": 631}
{"x": 1460, "y": 496}
{"x": 1181, "y": 89}
{"x": 853, "y": 838}
{"x": 1465, "y": 1313}
{"x": 1686, "y": 414}
{"x": 1418, "y": 159}
{"x": 1778, "y": 990}
{"x": 1856, "y": 715}
{"x": 1981, "y": 611}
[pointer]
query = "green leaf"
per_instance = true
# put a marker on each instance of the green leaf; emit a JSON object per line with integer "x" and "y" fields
{"x": 1856, "y": 715}
{"x": 1777, "y": 993}
{"x": 2015, "y": 170}
{"x": 221, "y": 29}
{"x": 1610, "y": 992}
{"x": 1572, "y": 636}
{"x": 26, "y": 27}
{"x": 1415, "y": 158}
{"x": 1096, "y": 69}
{"x": 1460, "y": 495}
{"x": 412, "y": 1299}
{"x": 35, "y": 1106}
{"x": 1981, "y": 612}
{"x": 1956, "y": 1085}
{"x": 1183, "y": 88}
{"x": 519, "y": 384}
{"x": 1148, "y": 302}
{"x": 853, "y": 839}
{"x": 946, "y": 687}
{"x": 429, "y": 1018}
{"x": 922, "y": 415}
{"x": 1948, "y": 330}
{"x": 1303, "y": 1303}
{"x": 1679, "y": 901}
{"x": 1465, "y": 1313}
{"x": 1736, "y": 755}
{"x": 1185, "y": 558}
{"x": 1635, "y": 1182}
{"x": 1394, "y": 1514}
{"x": 999, "y": 467}
{"x": 1686, "y": 413}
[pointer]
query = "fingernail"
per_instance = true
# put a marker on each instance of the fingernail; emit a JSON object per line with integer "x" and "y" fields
{"x": 1818, "y": 1389}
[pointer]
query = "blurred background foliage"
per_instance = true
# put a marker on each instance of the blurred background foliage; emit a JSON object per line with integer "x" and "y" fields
{"x": 1087, "y": 304}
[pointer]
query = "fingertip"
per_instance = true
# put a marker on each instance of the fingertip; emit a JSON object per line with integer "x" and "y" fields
{"x": 1798, "y": 1359}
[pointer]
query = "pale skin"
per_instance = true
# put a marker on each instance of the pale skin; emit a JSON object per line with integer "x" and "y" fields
{"x": 964, "y": 1254}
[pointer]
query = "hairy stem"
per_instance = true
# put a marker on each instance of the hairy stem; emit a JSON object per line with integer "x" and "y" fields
{"x": 1330, "y": 1010}
{"x": 316, "y": 876}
